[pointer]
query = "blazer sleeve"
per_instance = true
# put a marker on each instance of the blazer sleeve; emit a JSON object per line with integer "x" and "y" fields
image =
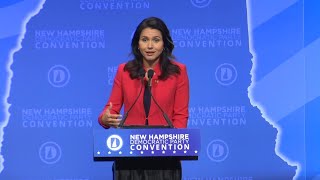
{"x": 116, "y": 96}
{"x": 181, "y": 102}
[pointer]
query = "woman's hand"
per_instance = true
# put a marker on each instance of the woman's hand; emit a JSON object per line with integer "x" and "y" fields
{"x": 112, "y": 120}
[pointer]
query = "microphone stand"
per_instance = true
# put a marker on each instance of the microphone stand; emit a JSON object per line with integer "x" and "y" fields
{"x": 141, "y": 74}
{"x": 163, "y": 113}
{"x": 150, "y": 75}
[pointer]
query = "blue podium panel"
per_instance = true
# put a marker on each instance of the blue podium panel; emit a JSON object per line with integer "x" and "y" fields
{"x": 111, "y": 144}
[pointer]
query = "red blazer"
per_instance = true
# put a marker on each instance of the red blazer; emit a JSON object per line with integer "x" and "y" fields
{"x": 171, "y": 94}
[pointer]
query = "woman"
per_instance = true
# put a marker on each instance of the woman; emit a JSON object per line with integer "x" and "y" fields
{"x": 152, "y": 48}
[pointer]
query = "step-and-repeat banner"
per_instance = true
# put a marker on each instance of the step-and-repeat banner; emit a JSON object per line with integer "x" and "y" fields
{"x": 240, "y": 57}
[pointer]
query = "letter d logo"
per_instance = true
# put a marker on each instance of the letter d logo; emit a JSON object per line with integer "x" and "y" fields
{"x": 58, "y": 76}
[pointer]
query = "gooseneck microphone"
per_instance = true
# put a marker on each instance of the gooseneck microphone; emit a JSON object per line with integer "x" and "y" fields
{"x": 141, "y": 76}
{"x": 150, "y": 75}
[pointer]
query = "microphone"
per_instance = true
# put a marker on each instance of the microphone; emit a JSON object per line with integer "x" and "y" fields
{"x": 141, "y": 75}
{"x": 150, "y": 75}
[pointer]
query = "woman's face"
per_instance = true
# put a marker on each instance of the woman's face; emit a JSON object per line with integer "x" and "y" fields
{"x": 151, "y": 45}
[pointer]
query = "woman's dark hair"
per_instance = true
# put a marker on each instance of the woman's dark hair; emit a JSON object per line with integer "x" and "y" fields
{"x": 167, "y": 67}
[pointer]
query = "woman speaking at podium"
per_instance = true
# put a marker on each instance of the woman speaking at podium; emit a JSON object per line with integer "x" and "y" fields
{"x": 154, "y": 90}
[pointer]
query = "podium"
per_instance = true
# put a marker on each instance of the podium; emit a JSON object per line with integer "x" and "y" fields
{"x": 149, "y": 149}
{"x": 113, "y": 144}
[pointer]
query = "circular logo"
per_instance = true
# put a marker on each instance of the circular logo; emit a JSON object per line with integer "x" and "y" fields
{"x": 114, "y": 142}
{"x": 50, "y": 152}
{"x": 226, "y": 74}
{"x": 58, "y": 76}
{"x": 200, "y": 3}
{"x": 217, "y": 150}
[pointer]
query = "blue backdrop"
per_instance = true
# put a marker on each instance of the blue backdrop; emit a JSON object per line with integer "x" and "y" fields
{"x": 253, "y": 67}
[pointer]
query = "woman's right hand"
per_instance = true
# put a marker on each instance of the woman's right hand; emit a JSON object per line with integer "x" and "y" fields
{"x": 112, "y": 120}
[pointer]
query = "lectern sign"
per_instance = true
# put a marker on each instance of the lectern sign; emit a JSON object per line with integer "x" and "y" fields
{"x": 113, "y": 143}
